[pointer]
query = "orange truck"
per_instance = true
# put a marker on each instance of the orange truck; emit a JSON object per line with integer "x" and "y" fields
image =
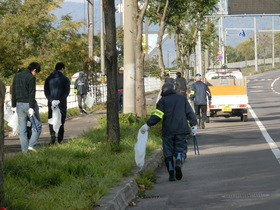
{"x": 229, "y": 93}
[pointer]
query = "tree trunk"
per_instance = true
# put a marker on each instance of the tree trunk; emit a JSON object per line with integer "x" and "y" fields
{"x": 178, "y": 51}
{"x": 140, "y": 86}
{"x": 159, "y": 40}
{"x": 2, "y": 99}
{"x": 113, "y": 126}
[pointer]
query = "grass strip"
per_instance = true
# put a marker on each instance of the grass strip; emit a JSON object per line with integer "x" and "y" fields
{"x": 76, "y": 174}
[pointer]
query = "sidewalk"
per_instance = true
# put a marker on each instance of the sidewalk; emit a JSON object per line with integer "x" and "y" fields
{"x": 74, "y": 127}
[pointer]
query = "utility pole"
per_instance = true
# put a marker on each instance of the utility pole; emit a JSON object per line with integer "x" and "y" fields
{"x": 90, "y": 34}
{"x": 129, "y": 59}
{"x": 256, "y": 44}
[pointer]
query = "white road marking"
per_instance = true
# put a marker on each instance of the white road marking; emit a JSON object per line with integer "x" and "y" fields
{"x": 273, "y": 146}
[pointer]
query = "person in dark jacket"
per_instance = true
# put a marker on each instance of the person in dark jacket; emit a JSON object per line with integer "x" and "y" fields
{"x": 81, "y": 89}
{"x": 120, "y": 89}
{"x": 57, "y": 89}
{"x": 168, "y": 79}
{"x": 199, "y": 93}
{"x": 24, "y": 103}
{"x": 180, "y": 84}
{"x": 175, "y": 112}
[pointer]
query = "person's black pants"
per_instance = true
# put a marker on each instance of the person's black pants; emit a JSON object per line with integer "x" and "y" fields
{"x": 60, "y": 135}
{"x": 200, "y": 110}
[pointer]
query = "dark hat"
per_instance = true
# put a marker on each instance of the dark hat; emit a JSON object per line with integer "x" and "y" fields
{"x": 168, "y": 85}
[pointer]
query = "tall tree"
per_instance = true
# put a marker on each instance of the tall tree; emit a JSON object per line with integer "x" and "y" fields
{"x": 2, "y": 98}
{"x": 113, "y": 127}
{"x": 29, "y": 31}
{"x": 140, "y": 89}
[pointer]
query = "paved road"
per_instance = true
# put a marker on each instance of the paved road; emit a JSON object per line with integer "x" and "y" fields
{"x": 236, "y": 168}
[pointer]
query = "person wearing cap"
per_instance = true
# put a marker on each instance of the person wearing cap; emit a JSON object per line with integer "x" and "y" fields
{"x": 180, "y": 84}
{"x": 81, "y": 89}
{"x": 198, "y": 94}
{"x": 175, "y": 112}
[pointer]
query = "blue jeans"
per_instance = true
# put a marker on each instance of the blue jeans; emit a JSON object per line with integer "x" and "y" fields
{"x": 22, "y": 111}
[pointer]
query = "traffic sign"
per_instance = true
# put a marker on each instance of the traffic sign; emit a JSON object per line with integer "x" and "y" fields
{"x": 220, "y": 52}
{"x": 220, "y": 57}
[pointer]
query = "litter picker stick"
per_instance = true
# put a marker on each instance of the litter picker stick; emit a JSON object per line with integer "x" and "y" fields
{"x": 195, "y": 145}
{"x": 33, "y": 124}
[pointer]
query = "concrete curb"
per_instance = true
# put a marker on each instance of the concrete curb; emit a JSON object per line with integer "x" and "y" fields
{"x": 119, "y": 197}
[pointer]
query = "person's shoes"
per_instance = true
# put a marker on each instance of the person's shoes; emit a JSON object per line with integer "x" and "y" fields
{"x": 52, "y": 142}
{"x": 85, "y": 111}
{"x": 203, "y": 125}
{"x": 178, "y": 169}
{"x": 171, "y": 176}
{"x": 81, "y": 113}
{"x": 31, "y": 149}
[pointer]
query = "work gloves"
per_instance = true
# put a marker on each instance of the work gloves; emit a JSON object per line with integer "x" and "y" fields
{"x": 144, "y": 128}
{"x": 31, "y": 112}
{"x": 194, "y": 130}
{"x": 55, "y": 103}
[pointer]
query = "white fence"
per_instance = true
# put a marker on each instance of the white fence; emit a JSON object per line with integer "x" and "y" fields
{"x": 98, "y": 92}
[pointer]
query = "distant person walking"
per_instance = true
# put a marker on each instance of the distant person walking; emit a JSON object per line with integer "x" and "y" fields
{"x": 81, "y": 89}
{"x": 176, "y": 115}
{"x": 57, "y": 89}
{"x": 24, "y": 103}
{"x": 180, "y": 84}
{"x": 120, "y": 89}
{"x": 167, "y": 78}
{"x": 199, "y": 93}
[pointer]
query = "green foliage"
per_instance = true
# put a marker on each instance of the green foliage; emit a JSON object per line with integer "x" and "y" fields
{"x": 30, "y": 32}
{"x": 146, "y": 180}
{"x": 128, "y": 119}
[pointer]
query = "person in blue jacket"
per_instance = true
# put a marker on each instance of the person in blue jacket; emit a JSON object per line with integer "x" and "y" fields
{"x": 199, "y": 93}
{"x": 176, "y": 115}
{"x": 57, "y": 89}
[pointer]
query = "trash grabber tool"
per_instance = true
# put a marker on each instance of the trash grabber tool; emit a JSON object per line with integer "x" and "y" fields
{"x": 195, "y": 145}
{"x": 33, "y": 123}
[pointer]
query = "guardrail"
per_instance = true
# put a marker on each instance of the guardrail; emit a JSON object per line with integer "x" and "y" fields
{"x": 98, "y": 92}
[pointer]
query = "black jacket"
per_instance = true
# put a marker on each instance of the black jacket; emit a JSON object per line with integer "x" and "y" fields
{"x": 199, "y": 92}
{"x": 175, "y": 112}
{"x": 57, "y": 87}
{"x": 180, "y": 84}
{"x": 24, "y": 88}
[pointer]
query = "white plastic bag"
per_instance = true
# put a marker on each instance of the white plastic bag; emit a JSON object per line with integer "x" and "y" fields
{"x": 8, "y": 113}
{"x": 13, "y": 123}
{"x": 56, "y": 119}
{"x": 89, "y": 101}
{"x": 140, "y": 148}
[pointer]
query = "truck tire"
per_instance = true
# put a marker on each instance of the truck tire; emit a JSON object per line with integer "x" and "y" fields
{"x": 244, "y": 118}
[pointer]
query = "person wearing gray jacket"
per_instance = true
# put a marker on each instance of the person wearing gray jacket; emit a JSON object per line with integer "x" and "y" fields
{"x": 199, "y": 93}
{"x": 81, "y": 89}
